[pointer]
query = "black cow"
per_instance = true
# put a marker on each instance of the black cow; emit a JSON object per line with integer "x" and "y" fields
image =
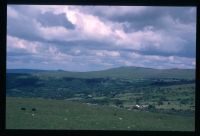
{"x": 23, "y": 109}
{"x": 33, "y": 109}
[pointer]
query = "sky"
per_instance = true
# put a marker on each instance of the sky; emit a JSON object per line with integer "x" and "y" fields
{"x": 92, "y": 38}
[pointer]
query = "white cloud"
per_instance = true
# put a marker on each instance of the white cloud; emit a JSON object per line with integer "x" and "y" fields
{"x": 105, "y": 53}
{"x": 42, "y": 52}
{"x": 53, "y": 54}
{"x": 138, "y": 40}
{"x": 14, "y": 43}
{"x": 160, "y": 61}
{"x": 54, "y": 33}
{"x": 87, "y": 24}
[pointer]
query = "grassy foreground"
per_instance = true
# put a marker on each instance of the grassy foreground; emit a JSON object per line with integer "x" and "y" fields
{"x": 62, "y": 114}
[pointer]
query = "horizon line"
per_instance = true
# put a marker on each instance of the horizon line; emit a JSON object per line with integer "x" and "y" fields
{"x": 99, "y": 70}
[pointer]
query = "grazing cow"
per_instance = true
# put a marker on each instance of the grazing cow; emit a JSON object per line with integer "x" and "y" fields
{"x": 33, "y": 109}
{"x": 23, "y": 109}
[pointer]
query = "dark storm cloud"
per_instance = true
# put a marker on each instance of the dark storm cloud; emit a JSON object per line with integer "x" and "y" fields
{"x": 28, "y": 22}
{"x": 153, "y": 15}
{"x": 23, "y": 28}
{"x": 50, "y": 19}
{"x": 146, "y": 15}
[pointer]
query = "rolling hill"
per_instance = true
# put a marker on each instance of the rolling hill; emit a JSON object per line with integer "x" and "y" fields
{"x": 167, "y": 94}
{"x": 60, "y": 84}
{"x": 120, "y": 72}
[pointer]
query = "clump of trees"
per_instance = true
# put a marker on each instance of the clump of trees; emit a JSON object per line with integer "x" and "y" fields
{"x": 118, "y": 103}
{"x": 151, "y": 107}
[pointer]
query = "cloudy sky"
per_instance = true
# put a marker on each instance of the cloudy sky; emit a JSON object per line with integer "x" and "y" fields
{"x": 87, "y": 38}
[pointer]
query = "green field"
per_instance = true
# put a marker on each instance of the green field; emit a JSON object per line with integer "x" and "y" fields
{"x": 63, "y": 114}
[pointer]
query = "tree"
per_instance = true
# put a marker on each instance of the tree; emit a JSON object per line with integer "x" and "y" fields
{"x": 151, "y": 107}
{"x": 160, "y": 102}
{"x": 184, "y": 101}
{"x": 137, "y": 101}
{"x": 118, "y": 103}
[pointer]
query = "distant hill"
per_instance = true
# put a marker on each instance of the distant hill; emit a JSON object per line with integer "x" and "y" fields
{"x": 60, "y": 84}
{"x": 120, "y": 72}
{"x": 24, "y": 71}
